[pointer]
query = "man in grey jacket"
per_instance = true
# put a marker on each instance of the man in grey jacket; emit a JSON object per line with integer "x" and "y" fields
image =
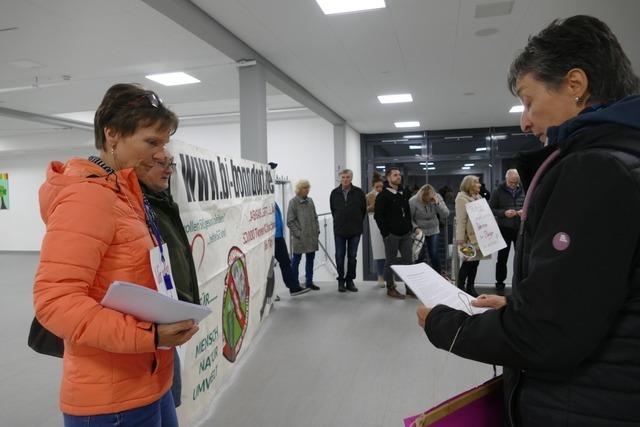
{"x": 506, "y": 203}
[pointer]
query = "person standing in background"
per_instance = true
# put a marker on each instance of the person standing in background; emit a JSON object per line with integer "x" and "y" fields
{"x": 506, "y": 203}
{"x": 426, "y": 206}
{"x": 291, "y": 280}
{"x": 154, "y": 182}
{"x": 393, "y": 216}
{"x": 377, "y": 242}
{"x": 348, "y": 208}
{"x": 302, "y": 221}
{"x": 465, "y": 235}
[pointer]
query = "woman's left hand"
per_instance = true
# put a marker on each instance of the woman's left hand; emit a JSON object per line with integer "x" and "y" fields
{"x": 422, "y": 313}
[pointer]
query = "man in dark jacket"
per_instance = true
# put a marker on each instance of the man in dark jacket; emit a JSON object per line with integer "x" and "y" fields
{"x": 348, "y": 208}
{"x": 506, "y": 203}
{"x": 154, "y": 181}
{"x": 569, "y": 336}
{"x": 393, "y": 216}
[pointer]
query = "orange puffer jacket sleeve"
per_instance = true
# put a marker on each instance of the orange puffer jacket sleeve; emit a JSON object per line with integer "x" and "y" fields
{"x": 80, "y": 227}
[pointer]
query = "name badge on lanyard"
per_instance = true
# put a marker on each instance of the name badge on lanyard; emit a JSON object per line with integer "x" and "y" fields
{"x": 161, "y": 267}
{"x": 159, "y": 257}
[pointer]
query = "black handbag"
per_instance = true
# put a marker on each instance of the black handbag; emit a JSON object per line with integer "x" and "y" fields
{"x": 43, "y": 341}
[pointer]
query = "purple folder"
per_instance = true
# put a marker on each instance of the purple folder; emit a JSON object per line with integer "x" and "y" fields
{"x": 482, "y": 406}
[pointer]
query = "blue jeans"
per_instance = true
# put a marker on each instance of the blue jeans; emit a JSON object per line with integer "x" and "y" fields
{"x": 176, "y": 387}
{"x": 431, "y": 246}
{"x": 161, "y": 413}
{"x": 380, "y": 266}
{"x": 346, "y": 246}
{"x": 308, "y": 266}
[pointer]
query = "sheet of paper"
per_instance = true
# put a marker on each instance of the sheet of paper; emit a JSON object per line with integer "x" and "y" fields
{"x": 485, "y": 226}
{"x": 433, "y": 289}
{"x": 150, "y": 306}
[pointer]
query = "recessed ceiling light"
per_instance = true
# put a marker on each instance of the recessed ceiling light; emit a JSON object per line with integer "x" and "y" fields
{"x": 481, "y": 149}
{"x": 469, "y": 164}
{"x": 395, "y": 99}
{"x": 331, "y": 7}
{"x": 173, "y": 79}
{"x": 431, "y": 168}
{"x": 517, "y": 109}
{"x": 414, "y": 124}
{"x": 412, "y": 136}
{"x": 423, "y": 163}
{"x": 379, "y": 167}
{"x": 466, "y": 168}
{"x": 429, "y": 163}
{"x": 415, "y": 147}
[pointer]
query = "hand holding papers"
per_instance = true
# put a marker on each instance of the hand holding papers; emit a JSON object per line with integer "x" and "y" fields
{"x": 433, "y": 289}
{"x": 150, "y": 306}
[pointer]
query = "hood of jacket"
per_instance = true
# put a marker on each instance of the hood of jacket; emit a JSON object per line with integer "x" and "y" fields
{"x": 61, "y": 176}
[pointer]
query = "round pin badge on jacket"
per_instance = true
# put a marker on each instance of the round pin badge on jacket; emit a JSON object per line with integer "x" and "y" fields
{"x": 561, "y": 241}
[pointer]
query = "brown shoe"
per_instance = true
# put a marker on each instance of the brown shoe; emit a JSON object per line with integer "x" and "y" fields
{"x": 393, "y": 293}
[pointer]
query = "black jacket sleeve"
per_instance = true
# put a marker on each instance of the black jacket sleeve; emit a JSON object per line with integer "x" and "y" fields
{"x": 494, "y": 204}
{"x": 379, "y": 213}
{"x": 570, "y": 299}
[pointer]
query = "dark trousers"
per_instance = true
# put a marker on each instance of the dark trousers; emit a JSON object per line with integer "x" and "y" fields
{"x": 282, "y": 256}
{"x": 509, "y": 235}
{"x": 467, "y": 274}
{"x": 430, "y": 247}
{"x": 346, "y": 246}
{"x": 393, "y": 244}
{"x": 308, "y": 266}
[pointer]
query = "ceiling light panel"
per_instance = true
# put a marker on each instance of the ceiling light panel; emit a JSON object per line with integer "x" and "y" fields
{"x": 395, "y": 98}
{"x": 332, "y": 7}
{"x": 517, "y": 109}
{"x": 173, "y": 79}
{"x": 413, "y": 124}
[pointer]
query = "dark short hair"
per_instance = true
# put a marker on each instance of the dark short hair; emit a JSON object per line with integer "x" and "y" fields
{"x": 126, "y": 107}
{"x": 391, "y": 169}
{"x": 582, "y": 42}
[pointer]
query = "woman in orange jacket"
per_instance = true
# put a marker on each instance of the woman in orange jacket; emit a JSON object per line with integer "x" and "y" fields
{"x": 97, "y": 232}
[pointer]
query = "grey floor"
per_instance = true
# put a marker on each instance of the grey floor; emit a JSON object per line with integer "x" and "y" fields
{"x": 321, "y": 359}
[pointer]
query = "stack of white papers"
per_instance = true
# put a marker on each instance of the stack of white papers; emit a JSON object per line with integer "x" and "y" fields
{"x": 150, "y": 306}
{"x": 433, "y": 289}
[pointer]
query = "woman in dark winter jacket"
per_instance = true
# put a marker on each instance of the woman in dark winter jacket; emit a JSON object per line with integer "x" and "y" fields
{"x": 569, "y": 338}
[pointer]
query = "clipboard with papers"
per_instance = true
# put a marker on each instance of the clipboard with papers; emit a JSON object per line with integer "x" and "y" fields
{"x": 150, "y": 306}
{"x": 433, "y": 289}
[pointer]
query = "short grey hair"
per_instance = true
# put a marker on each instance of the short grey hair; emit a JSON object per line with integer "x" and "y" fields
{"x": 511, "y": 171}
{"x": 346, "y": 172}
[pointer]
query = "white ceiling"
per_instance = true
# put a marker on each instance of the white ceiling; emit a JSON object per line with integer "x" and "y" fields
{"x": 426, "y": 47}
{"x": 99, "y": 43}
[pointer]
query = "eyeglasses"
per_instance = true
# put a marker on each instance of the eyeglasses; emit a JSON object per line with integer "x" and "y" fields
{"x": 166, "y": 164}
{"x": 150, "y": 97}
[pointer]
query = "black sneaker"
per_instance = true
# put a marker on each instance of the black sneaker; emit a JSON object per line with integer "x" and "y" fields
{"x": 298, "y": 291}
{"x": 351, "y": 287}
{"x": 312, "y": 286}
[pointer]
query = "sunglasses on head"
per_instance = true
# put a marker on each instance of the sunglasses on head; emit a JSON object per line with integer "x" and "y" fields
{"x": 149, "y": 97}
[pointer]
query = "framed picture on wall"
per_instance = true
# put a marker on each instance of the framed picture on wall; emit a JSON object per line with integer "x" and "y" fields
{"x": 4, "y": 191}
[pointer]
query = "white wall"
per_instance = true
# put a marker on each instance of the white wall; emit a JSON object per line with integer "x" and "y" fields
{"x": 219, "y": 138}
{"x": 21, "y": 228}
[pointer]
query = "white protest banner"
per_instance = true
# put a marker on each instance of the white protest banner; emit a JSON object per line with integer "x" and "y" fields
{"x": 485, "y": 226}
{"x": 227, "y": 208}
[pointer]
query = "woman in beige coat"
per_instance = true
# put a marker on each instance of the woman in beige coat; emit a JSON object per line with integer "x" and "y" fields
{"x": 469, "y": 192}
